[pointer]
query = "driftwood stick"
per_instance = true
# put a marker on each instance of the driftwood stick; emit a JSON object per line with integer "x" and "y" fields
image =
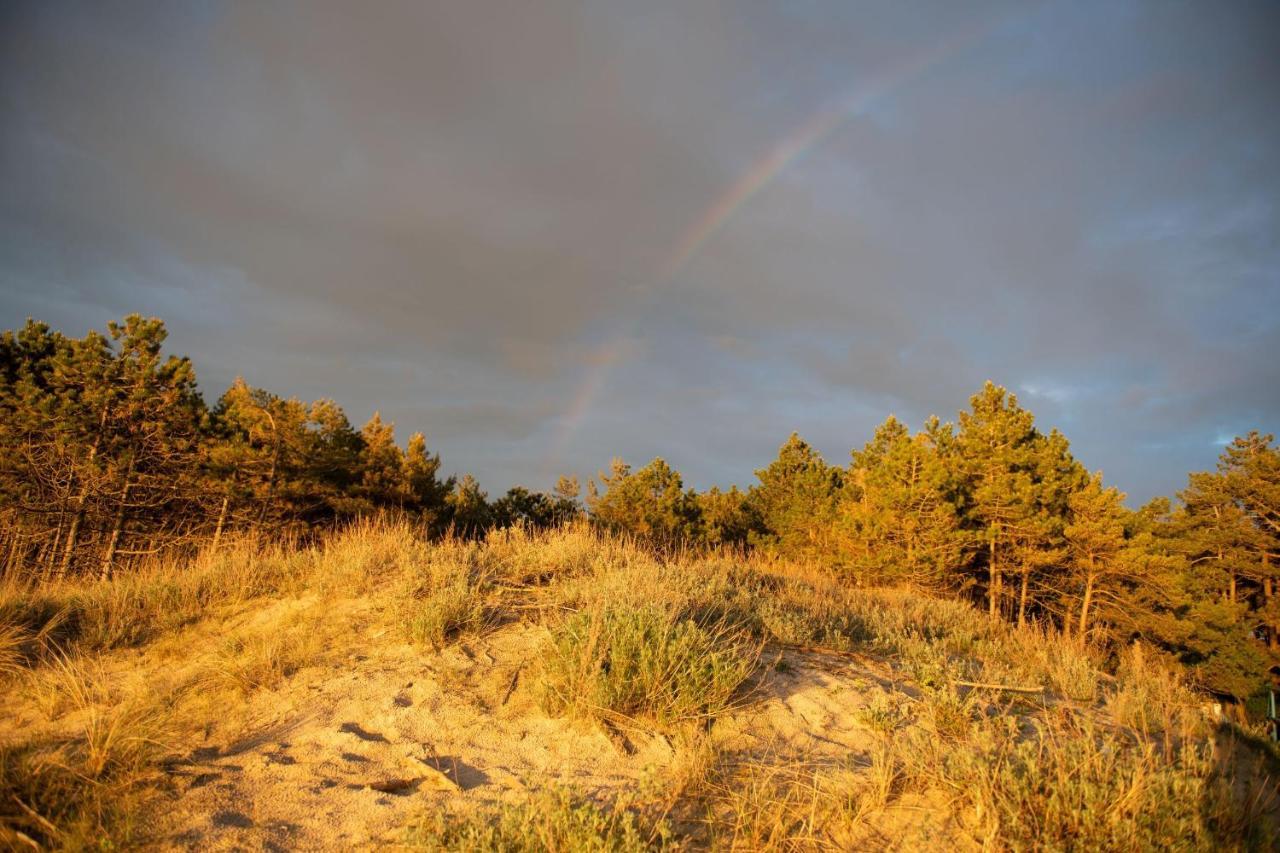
{"x": 1009, "y": 688}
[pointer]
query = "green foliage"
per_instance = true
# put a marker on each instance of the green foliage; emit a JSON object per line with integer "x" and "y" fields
{"x": 796, "y": 502}
{"x": 896, "y": 520}
{"x": 521, "y": 507}
{"x": 1011, "y": 483}
{"x": 616, "y": 662}
{"x": 445, "y": 598}
{"x": 1092, "y": 790}
{"x": 650, "y": 503}
{"x": 727, "y": 517}
{"x": 550, "y": 821}
{"x": 108, "y": 456}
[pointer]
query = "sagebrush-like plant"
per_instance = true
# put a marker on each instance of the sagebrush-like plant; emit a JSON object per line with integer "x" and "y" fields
{"x": 644, "y": 662}
{"x": 552, "y": 821}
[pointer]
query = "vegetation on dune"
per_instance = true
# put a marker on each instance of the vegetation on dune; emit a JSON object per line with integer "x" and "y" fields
{"x": 110, "y": 457}
{"x": 644, "y": 662}
{"x": 1054, "y": 646}
{"x": 668, "y": 643}
{"x": 550, "y": 821}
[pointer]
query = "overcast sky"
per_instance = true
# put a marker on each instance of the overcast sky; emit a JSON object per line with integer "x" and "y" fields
{"x": 513, "y": 226}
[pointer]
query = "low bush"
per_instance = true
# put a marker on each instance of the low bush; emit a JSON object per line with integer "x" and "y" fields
{"x": 552, "y": 821}
{"x": 644, "y": 662}
{"x": 445, "y": 595}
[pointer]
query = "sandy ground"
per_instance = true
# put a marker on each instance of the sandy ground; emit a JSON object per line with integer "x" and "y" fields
{"x": 343, "y": 757}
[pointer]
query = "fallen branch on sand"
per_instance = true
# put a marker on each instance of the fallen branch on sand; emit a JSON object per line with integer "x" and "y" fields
{"x": 1008, "y": 688}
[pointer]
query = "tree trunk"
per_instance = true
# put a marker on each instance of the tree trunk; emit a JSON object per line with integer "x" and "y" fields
{"x": 109, "y": 556}
{"x": 77, "y": 518}
{"x": 11, "y": 561}
{"x": 993, "y": 586}
{"x": 271, "y": 477}
{"x": 1022, "y": 598}
{"x": 73, "y": 534}
{"x": 53, "y": 550}
{"x": 1268, "y": 590}
{"x": 222, "y": 519}
{"x": 1084, "y": 605}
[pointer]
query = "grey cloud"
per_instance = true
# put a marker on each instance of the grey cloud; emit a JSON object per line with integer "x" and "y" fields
{"x": 452, "y": 212}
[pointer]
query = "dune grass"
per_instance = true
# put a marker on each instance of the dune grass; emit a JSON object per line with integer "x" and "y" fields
{"x": 628, "y": 663}
{"x": 84, "y": 789}
{"x": 1096, "y": 749}
{"x": 553, "y": 820}
{"x": 444, "y": 594}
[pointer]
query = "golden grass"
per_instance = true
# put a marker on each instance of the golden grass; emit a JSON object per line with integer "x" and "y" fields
{"x": 1082, "y": 759}
{"x": 551, "y": 821}
{"x": 621, "y": 663}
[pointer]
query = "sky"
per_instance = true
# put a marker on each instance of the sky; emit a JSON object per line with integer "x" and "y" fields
{"x": 547, "y": 234}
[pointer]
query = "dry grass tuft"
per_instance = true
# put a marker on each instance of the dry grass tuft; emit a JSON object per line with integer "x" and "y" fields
{"x": 264, "y": 661}
{"x": 553, "y": 820}
{"x": 622, "y": 663}
{"x": 84, "y": 789}
{"x": 445, "y": 593}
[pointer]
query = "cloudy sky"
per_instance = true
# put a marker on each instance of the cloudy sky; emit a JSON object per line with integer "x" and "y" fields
{"x": 549, "y": 233}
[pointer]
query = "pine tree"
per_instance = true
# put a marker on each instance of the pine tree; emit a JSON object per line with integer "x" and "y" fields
{"x": 727, "y": 517}
{"x": 381, "y": 463}
{"x": 154, "y": 420}
{"x": 651, "y": 503}
{"x": 331, "y": 469}
{"x": 1217, "y": 534}
{"x": 536, "y": 510}
{"x": 565, "y": 496}
{"x": 264, "y": 444}
{"x": 796, "y": 502}
{"x": 995, "y": 450}
{"x": 1251, "y": 468}
{"x": 469, "y": 512}
{"x": 1182, "y": 605}
{"x": 1098, "y": 549}
{"x": 896, "y": 522}
{"x": 422, "y": 489}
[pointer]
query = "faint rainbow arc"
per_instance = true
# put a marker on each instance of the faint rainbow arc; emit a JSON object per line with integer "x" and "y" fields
{"x": 757, "y": 176}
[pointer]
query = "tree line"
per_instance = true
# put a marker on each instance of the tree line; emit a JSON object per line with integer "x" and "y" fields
{"x": 109, "y": 454}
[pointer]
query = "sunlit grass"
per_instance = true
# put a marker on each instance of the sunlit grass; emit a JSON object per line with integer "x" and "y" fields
{"x": 1025, "y": 738}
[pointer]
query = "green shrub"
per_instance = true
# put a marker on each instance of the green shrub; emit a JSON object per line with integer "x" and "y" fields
{"x": 433, "y": 617}
{"x": 644, "y": 662}
{"x": 1068, "y": 784}
{"x": 550, "y": 822}
{"x": 823, "y": 625}
{"x": 445, "y": 594}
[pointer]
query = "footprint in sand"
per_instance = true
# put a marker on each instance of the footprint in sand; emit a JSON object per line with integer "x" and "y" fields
{"x": 363, "y": 734}
{"x": 232, "y": 820}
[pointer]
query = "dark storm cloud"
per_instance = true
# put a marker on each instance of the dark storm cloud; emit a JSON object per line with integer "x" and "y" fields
{"x": 455, "y": 212}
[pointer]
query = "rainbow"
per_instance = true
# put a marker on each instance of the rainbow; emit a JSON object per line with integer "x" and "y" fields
{"x": 809, "y": 135}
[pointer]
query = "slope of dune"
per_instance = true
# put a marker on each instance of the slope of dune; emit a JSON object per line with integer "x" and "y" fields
{"x": 380, "y": 691}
